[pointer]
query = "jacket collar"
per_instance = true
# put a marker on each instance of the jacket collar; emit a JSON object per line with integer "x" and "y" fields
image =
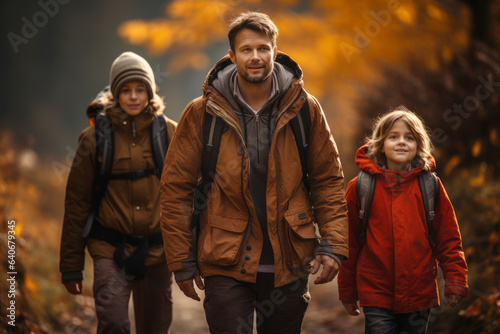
{"x": 121, "y": 120}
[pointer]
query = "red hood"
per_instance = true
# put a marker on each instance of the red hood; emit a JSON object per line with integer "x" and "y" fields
{"x": 368, "y": 165}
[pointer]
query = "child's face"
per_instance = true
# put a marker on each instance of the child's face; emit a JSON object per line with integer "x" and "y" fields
{"x": 133, "y": 97}
{"x": 400, "y": 147}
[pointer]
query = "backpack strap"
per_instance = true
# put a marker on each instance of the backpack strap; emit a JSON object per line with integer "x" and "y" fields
{"x": 159, "y": 141}
{"x": 105, "y": 148}
{"x": 365, "y": 188}
{"x": 429, "y": 191}
{"x": 136, "y": 174}
{"x": 213, "y": 128}
{"x": 301, "y": 128}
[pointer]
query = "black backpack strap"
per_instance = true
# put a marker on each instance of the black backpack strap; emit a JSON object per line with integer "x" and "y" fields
{"x": 213, "y": 128}
{"x": 301, "y": 127}
{"x": 429, "y": 190}
{"x": 135, "y": 175}
{"x": 105, "y": 148}
{"x": 365, "y": 188}
{"x": 159, "y": 141}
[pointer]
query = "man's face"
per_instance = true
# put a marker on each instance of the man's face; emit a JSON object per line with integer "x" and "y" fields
{"x": 253, "y": 55}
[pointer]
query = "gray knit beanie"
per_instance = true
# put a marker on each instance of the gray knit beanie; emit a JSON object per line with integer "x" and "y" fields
{"x": 127, "y": 67}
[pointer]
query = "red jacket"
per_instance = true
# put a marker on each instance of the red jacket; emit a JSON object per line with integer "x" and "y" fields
{"x": 396, "y": 268}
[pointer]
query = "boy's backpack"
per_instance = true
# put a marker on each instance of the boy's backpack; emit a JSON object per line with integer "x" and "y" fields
{"x": 105, "y": 153}
{"x": 214, "y": 127}
{"x": 429, "y": 191}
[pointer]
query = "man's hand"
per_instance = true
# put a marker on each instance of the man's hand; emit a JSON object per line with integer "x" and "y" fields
{"x": 187, "y": 286}
{"x": 453, "y": 299}
{"x": 351, "y": 307}
{"x": 330, "y": 268}
{"x": 74, "y": 287}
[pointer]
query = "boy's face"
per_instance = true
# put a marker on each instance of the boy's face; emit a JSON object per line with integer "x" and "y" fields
{"x": 253, "y": 55}
{"x": 400, "y": 146}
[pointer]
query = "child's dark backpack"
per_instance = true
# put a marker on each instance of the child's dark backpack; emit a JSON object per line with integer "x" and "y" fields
{"x": 365, "y": 188}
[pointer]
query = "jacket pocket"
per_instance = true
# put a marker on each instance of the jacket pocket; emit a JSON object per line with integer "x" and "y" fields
{"x": 428, "y": 288}
{"x": 300, "y": 241}
{"x": 223, "y": 242}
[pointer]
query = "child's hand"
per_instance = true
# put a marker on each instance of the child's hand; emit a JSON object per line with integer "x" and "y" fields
{"x": 351, "y": 307}
{"x": 453, "y": 299}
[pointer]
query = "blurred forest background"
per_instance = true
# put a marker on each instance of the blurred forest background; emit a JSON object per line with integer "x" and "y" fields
{"x": 440, "y": 58}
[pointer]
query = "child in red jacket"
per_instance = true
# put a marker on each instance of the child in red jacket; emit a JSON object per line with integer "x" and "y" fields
{"x": 393, "y": 273}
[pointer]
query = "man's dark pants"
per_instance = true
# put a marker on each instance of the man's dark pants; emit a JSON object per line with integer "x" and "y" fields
{"x": 229, "y": 305}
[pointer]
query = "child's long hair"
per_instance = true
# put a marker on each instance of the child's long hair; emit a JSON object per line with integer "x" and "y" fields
{"x": 380, "y": 131}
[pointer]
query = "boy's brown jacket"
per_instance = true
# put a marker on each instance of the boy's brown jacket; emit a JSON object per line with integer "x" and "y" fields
{"x": 131, "y": 207}
{"x": 230, "y": 240}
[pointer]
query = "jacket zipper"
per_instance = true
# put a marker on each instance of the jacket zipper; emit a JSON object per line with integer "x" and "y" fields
{"x": 258, "y": 140}
{"x": 243, "y": 145}
{"x": 133, "y": 128}
{"x": 397, "y": 178}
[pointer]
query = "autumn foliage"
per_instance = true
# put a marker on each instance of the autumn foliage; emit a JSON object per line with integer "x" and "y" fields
{"x": 32, "y": 195}
{"x": 360, "y": 58}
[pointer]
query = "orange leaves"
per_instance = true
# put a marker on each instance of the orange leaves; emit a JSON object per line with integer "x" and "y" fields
{"x": 480, "y": 178}
{"x": 452, "y": 163}
{"x": 32, "y": 287}
{"x": 485, "y": 308}
{"x": 192, "y": 26}
{"x": 314, "y": 36}
{"x": 134, "y": 32}
{"x": 436, "y": 12}
{"x": 476, "y": 148}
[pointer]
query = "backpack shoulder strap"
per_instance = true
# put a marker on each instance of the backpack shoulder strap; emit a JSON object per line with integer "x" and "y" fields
{"x": 365, "y": 188}
{"x": 104, "y": 143}
{"x": 429, "y": 191}
{"x": 159, "y": 142}
{"x": 213, "y": 128}
{"x": 301, "y": 128}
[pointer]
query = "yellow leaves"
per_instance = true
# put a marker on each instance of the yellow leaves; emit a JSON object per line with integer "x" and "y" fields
{"x": 324, "y": 37}
{"x": 194, "y": 24}
{"x": 494, "y": 138}
{"x": 480, "y": 178}
{"x": 31, "y": 287}
{"x": 476, "y": 148}
{"x": 446, "y": 54}
{"x": 454, "y": 161}
{"x": 436, "y": 13}
{"x": 134, "y": 32}
{"x": 18, "y": 229}
{"x": 197, "y": 61}
{"x": 407, "y": 13}
{"x": 494, "y": 238}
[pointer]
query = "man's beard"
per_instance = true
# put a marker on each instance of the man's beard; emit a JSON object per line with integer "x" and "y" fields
{"x": 259, "y": 79}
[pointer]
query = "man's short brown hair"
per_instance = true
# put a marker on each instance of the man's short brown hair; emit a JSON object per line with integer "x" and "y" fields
{"x": 255, "y": 21}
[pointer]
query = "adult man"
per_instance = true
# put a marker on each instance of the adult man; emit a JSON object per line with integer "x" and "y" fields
{"x": 257, "y": 237}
